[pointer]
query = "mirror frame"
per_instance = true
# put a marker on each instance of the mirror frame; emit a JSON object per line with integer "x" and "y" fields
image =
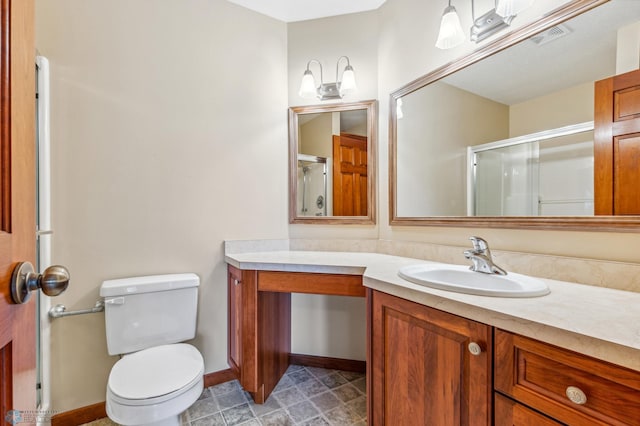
{"x": 371, "y": 106}
{"x": 573, "y": 223}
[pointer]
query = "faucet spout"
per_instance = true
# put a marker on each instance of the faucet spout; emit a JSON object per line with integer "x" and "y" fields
{"x": 481, "y": 258}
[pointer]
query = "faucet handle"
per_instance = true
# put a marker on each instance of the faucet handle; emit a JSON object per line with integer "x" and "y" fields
{"x": 479, "y": 243}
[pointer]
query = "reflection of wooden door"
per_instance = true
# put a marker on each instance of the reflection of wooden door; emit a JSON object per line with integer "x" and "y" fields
{"x": 617, "y": 145}
{"x": 17, "y": 206}
{"x": 349, "y": 175}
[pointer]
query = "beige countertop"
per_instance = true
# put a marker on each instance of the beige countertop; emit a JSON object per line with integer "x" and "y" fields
{"x": 596, "y": 321}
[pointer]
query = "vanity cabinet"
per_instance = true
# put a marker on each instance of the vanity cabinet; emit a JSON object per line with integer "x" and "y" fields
{"x": 567, "y": 386}
{"x": 427, "y": 367}
{"x": 259, "y": 320}
{"x": 259, "y": 333}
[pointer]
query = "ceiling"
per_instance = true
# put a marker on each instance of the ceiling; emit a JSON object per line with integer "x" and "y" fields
{"x": 526, "y": 71}
{"x": 302, "y": 10}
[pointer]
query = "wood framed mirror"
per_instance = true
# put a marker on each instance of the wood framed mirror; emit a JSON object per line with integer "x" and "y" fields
{"x": 529, "y": 80}
{"x": 332, "y": 163}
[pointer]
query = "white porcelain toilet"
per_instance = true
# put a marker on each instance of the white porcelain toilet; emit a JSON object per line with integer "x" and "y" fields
{"x": 157, "y": 378}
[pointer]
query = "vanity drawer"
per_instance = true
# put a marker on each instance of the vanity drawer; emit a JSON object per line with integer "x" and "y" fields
{"x": 543, "y": 376}
{"x": 507, "y": 412}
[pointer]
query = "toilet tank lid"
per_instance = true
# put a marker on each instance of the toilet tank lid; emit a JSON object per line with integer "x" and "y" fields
{"x": 148, "y": 284}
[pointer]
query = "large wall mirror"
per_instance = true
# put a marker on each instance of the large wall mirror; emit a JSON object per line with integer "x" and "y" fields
{"x": 505, "y": 136}
{"x": 332, "y": 152}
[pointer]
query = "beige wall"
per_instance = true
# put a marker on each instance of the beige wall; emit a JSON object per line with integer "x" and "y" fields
{"x": 169, "y": 134}
{"x": 315, "y": 136}
{"x": 435, "y": 147}
{"x": 573, "y": 105}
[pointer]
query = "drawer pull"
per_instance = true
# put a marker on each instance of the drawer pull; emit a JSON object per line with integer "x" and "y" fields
{"x": 475, "y": 348}
{"x": 576, "y": 395}
{"x": 236, "y": 282}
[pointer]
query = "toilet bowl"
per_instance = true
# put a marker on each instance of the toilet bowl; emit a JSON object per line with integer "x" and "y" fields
{"x": 155, "y": 385}
{"x": 158, "y": 378}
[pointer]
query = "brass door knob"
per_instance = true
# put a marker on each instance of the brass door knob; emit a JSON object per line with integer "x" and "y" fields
{"x": 53, "y": 281}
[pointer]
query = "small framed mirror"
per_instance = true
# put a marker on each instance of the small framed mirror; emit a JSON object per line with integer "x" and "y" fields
{"x": 332, "y": 170}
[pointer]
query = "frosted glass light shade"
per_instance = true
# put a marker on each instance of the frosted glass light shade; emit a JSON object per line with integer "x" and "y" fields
{"x": 308, "y": 88}
{"x": 451, "y": 34}
{"x": 348, "y": 83}
{"x": 508, "y": 8}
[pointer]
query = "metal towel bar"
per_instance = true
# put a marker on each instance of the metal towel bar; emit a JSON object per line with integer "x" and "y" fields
{"x": 59, "y": 311}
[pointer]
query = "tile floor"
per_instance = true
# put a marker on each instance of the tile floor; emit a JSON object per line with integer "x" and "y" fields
{"x": 304, "y": 396}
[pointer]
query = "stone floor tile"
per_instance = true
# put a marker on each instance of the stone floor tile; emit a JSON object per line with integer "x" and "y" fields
{"x": 231, "y": 399}
{"x": 277, "y": 418}
{"x": 238, "y": 414}
{"x": 347, "y": 392}
{"x": 302, "y": 411}
{"x": 213, "y": 420}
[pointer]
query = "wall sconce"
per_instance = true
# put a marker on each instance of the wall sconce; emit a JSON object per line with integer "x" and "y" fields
{"x": 325, "y": 91}
{"x": 452, "y": 35}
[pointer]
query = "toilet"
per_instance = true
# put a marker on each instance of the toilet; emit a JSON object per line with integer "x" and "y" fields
{"x": 157, "y": 377}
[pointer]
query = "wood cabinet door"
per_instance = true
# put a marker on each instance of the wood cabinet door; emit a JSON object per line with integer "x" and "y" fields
{"x": 17, "y": 206}
{"x": 422, "y": 371}
{"x": 234, "y": 312}
{"x": 617, "y": 145}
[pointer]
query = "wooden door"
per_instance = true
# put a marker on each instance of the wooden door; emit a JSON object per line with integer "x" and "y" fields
{"x": 350, "y": 175}
{"x": 617, "y": 145}
{"x": 17, "y": 204}
{"x": 422, "y": 372}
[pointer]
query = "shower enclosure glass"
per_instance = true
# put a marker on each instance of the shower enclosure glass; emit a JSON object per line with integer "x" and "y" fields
{"x": 312, "y": 186}
{"x": 544, "y": 174}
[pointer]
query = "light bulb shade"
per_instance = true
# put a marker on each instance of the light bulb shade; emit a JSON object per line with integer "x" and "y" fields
{"x": 451, "y": 34}
{"x": 506, "y": 8}
{"x": 348, "y": 83}
{"x": 308, "y": 88}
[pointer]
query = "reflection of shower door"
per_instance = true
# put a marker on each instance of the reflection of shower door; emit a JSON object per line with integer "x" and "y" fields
{"x": 349, "y": 175}
{"x": 312, "y": 186}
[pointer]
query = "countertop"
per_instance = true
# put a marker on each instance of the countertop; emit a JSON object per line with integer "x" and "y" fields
{"x": 600, "y": 322}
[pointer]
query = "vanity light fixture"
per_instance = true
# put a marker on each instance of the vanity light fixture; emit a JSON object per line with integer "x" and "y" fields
{"x": 326, "y": 91}
{"x": 512, "y": 7}
{"x": 452, "y": 35}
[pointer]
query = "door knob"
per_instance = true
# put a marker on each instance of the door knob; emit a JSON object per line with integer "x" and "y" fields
{"x": 53, "y": 281}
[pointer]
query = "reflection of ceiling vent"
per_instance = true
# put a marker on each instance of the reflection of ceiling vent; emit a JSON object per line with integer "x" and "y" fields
{"x": 551, "y": 34}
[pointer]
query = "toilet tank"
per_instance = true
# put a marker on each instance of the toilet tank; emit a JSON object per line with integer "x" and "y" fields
{"x": 143, "y": 312}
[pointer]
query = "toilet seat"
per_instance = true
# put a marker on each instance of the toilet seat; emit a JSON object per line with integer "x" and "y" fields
{"x": 154, "y": 375}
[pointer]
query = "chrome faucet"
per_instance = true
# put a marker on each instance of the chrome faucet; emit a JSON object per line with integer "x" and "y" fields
{"x": 481, "y": 258}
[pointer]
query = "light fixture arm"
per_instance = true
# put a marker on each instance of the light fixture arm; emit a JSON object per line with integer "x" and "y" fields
{"x": 338, "y": 66}
{"x": 320, "y": 65}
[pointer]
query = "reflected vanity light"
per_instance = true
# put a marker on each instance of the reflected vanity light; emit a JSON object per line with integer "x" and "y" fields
{"x": 399, "y": 112}
{"x": 451, "y": 33}
{"x": 326, "y": 91}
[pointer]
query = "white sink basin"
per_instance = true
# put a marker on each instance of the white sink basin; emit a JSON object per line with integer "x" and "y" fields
{"x": 463, "y": 280}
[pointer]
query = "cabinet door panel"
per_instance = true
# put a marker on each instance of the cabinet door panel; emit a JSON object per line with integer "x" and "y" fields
{"x": 423, "y": 373}
{"x": 234, "y": 311}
